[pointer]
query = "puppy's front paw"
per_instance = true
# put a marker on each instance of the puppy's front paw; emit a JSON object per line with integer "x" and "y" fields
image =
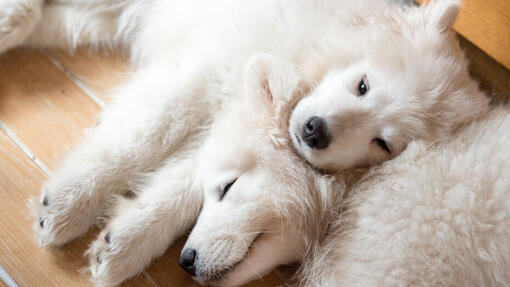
{"x": 66, "y": 209}
{"x": 54, "y": 223}
{"x": 117, "y": 256}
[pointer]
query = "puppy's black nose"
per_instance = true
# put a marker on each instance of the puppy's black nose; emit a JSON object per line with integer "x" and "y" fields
{"x": 315, "y": 133}
{"x": 187, "y": 261}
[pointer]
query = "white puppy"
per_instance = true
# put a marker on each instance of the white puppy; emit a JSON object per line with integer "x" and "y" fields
{"x": 191, "y": 72}
{"x": 405, "y": 86}
{"x": 262, "y": 205}
{"x": 258, "y": 205}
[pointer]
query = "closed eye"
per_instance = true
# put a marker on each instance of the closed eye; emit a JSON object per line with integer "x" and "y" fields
{"x": 226, "y": 188}
{"x": 383, "y": 145}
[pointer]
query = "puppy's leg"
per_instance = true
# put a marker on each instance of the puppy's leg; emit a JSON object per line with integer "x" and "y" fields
{"x": 151, "y": 117}
{"x": 105, "y": 23}
{"x": 144, "y": 228}
{"x": 17, "y": 20}
{"x": 41, "y": 24}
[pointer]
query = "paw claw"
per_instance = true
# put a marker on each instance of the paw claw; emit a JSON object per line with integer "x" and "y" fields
{"x": 107, "y": 237}
{"x": 45, "y": 201}
{"x": 41, "y": 222}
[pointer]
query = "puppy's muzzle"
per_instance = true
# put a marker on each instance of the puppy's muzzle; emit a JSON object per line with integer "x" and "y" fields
{"x": 315, "y": 133}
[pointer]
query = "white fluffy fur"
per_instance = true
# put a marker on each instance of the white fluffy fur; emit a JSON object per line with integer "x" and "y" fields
{"x": 17, "y": 20}
{"x": 202, "y": 110}
{"x": 438, "y": 215}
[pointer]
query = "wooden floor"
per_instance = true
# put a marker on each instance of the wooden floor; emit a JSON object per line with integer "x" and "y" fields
{"x": 47, "y": 99}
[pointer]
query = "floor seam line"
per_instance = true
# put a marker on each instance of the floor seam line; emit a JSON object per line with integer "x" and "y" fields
{"x": 6, "y": 278}
{"x": 12, "y": 135}
{"x": 151, "y": 280}
{"x": 84, "y": 87}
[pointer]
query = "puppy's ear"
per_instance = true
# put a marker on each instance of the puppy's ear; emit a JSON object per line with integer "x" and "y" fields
{"x": 441, "y": 14}
{"x": 270, "y": 81}
{"x": 273, "y": 88}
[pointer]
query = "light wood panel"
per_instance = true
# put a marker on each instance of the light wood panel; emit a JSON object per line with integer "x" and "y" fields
{"x": 487, "y": 25}
{"x": 20, "y": 256}
{"x": 47, "y": 112}
{"x": 166, "y": 270}
{"x": 41, "y": 105}
{"x": 99, "y": 71}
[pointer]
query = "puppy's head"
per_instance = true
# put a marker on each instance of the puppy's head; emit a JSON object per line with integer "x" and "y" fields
{"x": 256, "y": 188}
{"x": 406, "y": 79}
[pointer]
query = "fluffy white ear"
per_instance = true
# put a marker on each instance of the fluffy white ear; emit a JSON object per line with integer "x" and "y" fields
{"x": 441, "y": 14}
{"x": 273, "y": 85}
{"x": 270, "y": 80}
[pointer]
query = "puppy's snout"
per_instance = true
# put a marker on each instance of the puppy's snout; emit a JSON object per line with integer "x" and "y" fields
{"x": 315, "y": 133}
{"x": 187, "y": 261}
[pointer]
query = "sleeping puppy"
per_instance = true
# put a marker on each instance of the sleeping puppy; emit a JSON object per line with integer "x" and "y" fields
{"x": 408, "y": 82}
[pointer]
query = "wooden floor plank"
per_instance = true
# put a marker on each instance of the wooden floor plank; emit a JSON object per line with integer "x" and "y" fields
{"x": 47, "y": 112}
{"x": 20, "y": 256}
{"x": 5, "y": 279}
{"x": 159, "y": 270}
{"x": 100, "y": 71}
{"x": 43, "y": 107}
{"x": 487, "y": 24}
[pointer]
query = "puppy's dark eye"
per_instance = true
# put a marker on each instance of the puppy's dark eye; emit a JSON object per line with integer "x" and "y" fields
{"x": 383, "y": 145}
{"x": 226, "y": 188}
{"x": 362, "y": 87}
